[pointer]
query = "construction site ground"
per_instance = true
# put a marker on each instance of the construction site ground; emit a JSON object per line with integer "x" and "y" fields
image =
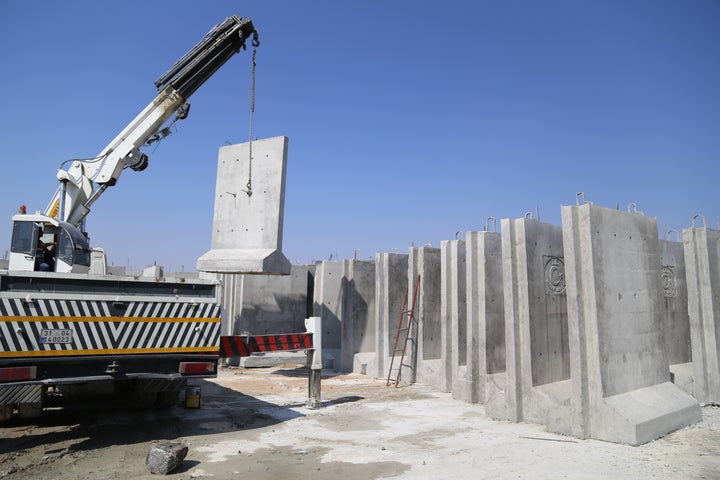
{"x": 254, "y": 423}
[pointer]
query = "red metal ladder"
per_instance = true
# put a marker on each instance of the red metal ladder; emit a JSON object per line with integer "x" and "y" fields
{"x": 405, "y": 325}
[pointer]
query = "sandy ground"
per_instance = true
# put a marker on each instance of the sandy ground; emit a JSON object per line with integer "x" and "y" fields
{"x": 254, "y": 424}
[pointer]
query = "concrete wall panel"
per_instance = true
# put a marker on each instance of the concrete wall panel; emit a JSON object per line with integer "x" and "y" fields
{"x": 485, "y": 310}
{"x": 391, "y": 286}
{"x": 428, "y": 359}
{"x": 675, "y": 302}
{"x": 702, "y": 262}
{"x": 273, "y": 303}
{"x": 537, "y": 348}
{"x": 453, "y": 308}
{"x": 328, "y": 305}
{"x": 248, "y": 223}
{"x": 358, "y": 315}
{"x": 620, "y": 374}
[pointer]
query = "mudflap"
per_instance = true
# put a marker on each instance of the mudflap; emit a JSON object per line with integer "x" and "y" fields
{"x": 25, "y": 401}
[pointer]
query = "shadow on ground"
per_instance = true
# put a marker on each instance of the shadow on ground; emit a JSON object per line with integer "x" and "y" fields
{"x": 108, "y": 421}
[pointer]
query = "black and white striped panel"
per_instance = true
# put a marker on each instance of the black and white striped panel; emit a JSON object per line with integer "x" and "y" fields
{"x": 101, "y": 336}
{"x": 10, "y": 394}
{"x": 93, "y": 308}
{"x": 97, "y": 328}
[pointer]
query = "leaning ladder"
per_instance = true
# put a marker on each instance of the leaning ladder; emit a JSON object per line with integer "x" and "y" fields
{"x": 405, "y": 325}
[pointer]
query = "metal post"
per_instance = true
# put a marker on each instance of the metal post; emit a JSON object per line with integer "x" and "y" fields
{"x": 314, "y": 325}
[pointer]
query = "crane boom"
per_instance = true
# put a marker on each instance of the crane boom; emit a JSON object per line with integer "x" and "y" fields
{"x": 85, "y": 180}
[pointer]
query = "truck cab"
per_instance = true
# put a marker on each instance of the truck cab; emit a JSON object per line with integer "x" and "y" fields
{"x": 69, "y": 250}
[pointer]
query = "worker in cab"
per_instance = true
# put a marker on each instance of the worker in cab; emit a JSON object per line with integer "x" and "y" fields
{"x": 44, "y": 254}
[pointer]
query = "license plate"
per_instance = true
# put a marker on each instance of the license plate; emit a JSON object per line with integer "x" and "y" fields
{"x": 56, "y": 335}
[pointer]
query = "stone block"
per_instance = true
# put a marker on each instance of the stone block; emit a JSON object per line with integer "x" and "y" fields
{"x": 163, "y": 458}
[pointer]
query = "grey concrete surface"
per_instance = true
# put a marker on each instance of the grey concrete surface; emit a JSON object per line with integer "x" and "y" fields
{"x": 391, "y": 287}
{"x": 327, "y": 304}
{"x": 453, "y": 313}
{"x": 427, "y": 353}
{"x": 675, "y": 302}
{"x": 621, "y": 389}
{"x": 702, "y": 262}
{"x": 537, "y": 350}
{"x": 485, "y": 310}
{"x": 675, "y": 312}
{"x": 266, "y": 304}
{"x": 249, "y": 208}
{"x": 357, "y": 326}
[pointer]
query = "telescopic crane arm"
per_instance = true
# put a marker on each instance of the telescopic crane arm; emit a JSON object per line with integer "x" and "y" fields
{"x": 85, "y": 180}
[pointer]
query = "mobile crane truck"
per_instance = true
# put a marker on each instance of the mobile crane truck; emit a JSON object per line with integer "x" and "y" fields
{"x": 66, "y": 325}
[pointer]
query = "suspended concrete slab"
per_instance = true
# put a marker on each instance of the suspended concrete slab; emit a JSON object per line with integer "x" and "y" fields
{"x": 249, "y": 207}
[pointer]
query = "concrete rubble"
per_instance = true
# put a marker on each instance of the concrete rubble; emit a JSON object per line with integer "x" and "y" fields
{"x": 163, "y": 458}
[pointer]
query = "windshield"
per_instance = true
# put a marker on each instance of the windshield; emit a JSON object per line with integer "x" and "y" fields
{"x": 73, "y": 247}
{"x": 23, "y": 238}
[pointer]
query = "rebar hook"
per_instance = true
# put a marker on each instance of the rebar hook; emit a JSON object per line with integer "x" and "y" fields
{"x": 487, "y": 224}
{"x": 580, "y": 195}
{"x": 632, "y": 208}
{"x": 703, "y": 219}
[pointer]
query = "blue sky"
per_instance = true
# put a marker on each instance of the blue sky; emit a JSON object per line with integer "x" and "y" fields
{"x": 408, "y": 120}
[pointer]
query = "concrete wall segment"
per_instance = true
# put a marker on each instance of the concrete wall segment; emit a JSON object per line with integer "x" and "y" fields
{"x": 391, "y": 286}
{"x": 675, "y": 302}
{"x": 427, "y": 358}
{"x": 620, "y": 374}
{"x": 485, "y": 310}
{"x": 454, "y": 317}
{"x": 249, "y": 209}
{"x": 328, "y": 305}
{"x": 358, "y": 311}
{"x": 702, "y": 263}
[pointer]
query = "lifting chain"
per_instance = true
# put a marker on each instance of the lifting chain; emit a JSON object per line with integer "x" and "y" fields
{"x": 252, "y": 110}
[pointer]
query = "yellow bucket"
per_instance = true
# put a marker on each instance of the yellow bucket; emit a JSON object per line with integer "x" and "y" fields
{"x": 192, "y": 397}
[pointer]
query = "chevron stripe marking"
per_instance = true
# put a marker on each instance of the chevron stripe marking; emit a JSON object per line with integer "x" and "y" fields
{"x": 70, "y": 318}
{"x": 241, "y": 346}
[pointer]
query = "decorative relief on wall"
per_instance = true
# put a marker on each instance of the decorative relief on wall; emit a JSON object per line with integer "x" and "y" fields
{"x": 668, "y": 280}
{"x": 554, "y": 275}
